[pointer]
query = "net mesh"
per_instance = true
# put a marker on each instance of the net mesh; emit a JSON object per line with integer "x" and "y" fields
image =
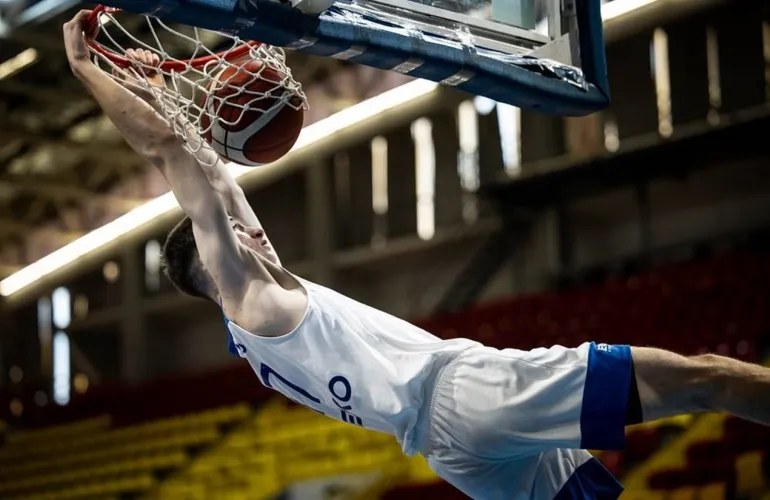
{"x": 187, "y": 87}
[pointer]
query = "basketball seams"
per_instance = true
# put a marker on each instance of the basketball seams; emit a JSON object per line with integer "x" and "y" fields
{"x": 257, "y": 120}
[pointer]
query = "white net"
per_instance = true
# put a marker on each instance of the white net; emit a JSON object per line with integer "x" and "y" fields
{"x": 197, "y": 74}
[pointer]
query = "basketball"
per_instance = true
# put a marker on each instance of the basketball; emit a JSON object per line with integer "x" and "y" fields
{"x": 258, "y": 118}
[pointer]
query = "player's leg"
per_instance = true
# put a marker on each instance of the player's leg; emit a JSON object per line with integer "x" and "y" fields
{"x": 557, "y": 474}
{"x": 500, "y": 405}
{"x": 493, "y": 411}
{"x": 671, "y": 384}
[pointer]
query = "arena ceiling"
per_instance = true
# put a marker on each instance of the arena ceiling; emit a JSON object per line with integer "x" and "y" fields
{"x": 64, "y": 169}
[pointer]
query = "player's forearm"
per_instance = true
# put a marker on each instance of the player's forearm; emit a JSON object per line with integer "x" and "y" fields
{"x": 216, "y": 172}
{"x": 150, "y": 136}
{"x": 143, "y": 129}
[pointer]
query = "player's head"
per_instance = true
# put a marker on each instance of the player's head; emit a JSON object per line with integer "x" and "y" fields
{"x": 182, "y": 264}
{"x": 254, "y": 238}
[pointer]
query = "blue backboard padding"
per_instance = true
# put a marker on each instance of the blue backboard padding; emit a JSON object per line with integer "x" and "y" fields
{"x": 591, "y": 39}
{"x": 510, "y": 79}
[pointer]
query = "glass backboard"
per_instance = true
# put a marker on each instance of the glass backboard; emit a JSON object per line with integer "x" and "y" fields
{"x": 546, "y": 55}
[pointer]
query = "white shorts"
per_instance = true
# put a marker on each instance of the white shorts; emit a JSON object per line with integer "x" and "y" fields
{"x": 509, "y": 424}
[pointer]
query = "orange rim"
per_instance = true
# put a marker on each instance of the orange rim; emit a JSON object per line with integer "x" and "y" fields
{"x": 92, "y": 30}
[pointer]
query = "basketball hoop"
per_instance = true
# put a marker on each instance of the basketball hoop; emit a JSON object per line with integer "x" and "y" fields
{"x": 188, "y": 99}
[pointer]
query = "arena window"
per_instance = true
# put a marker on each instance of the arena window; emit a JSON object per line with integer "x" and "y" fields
{"x": 44, "y": 319}
{"x": 484, "y": 105}
{"x": 509, "y": 121}
{"x": 62, "y": 312}
{"x": 379, "y": 149}
{"x": 61, "y": 309}
{"x": 712, "y": 67}
{"x": 44, "y": 333}
{"x": 425, "y": 170}
{"x": 662, "y": 77}
{"x": 152, "y": 266}
{"x": 611, "y": 134}
{"x": 468, "y": 158}
{"x": 111, "y": 272}
{"x": 61, "y": 368}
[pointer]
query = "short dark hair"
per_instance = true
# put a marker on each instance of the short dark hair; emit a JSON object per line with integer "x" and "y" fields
{"x": 180, "y": 262}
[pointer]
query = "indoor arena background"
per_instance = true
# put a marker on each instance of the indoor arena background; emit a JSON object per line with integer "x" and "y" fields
{"x": 648, "y": 223}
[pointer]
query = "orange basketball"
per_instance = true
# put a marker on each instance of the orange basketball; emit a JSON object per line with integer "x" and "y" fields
{"x": 258, "y": 118}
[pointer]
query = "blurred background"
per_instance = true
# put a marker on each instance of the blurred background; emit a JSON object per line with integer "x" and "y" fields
{"x": 648, "y": 223}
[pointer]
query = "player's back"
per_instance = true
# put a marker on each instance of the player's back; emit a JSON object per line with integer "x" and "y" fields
{"x": 352, "y": 362}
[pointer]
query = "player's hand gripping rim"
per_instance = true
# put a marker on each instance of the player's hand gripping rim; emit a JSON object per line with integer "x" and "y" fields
{"x": 143, "y": 78}
{"x": 75, "y": 40}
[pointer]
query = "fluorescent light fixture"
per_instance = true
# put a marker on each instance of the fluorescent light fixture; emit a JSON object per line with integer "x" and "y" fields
{"x": 147, "y": 213}
{"x": 18, "y": 63}
{"x": 44, "y": 10}
{"x": 618, "y": 8}
{"x": 311, "y": 134}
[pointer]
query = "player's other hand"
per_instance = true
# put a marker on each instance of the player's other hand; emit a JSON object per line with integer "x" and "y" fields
{"x": 145, "y": 65}
{"x": 141, "y": 75}
{"x": 75, "y": 40}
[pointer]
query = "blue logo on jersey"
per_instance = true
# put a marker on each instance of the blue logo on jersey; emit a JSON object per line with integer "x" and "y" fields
{"x": 339, "y": 387}
{"x": 241, "y": 349}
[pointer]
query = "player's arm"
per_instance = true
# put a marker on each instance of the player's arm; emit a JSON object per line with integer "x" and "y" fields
{"x": 215, "y": 169}
{"x": 151, "y": 136}
{"x": 229, "y": 190}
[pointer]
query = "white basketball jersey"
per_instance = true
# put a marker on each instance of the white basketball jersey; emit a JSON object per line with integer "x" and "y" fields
{"x": 351, "y": 362}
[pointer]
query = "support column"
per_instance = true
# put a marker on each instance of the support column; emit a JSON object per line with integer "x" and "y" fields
{"x": 133, "y": 350}
{"x": 536, "y": 255}
{"x": 320, "y": 219}
{"x": 565, "y": 236}
{"x": 542, "y": 137}
{"x": 645, "y": 222}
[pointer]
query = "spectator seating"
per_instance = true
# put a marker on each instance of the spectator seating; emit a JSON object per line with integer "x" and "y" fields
{"x": 279, "y": 446}
{"x": 91, "y": 458}
{"x": 725, "y": 449}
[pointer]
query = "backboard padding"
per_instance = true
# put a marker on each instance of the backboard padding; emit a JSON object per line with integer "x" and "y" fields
{"x": 364, "y": 34}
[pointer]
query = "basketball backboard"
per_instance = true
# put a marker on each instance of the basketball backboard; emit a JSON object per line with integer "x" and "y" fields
{"x": 538, "y": 54}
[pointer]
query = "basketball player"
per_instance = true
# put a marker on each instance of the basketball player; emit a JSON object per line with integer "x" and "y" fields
{"x": 497, "y": 424}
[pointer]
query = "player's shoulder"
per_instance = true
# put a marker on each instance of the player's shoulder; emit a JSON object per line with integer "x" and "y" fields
{"x": 267, "y": 309}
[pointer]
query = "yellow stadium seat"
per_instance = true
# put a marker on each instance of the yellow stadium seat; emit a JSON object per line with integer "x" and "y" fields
{"x": 749, "y": 474}
{"x": 67, "y": 431}
{"x": 146, "y": 432}
{"x": 419, "y": 471}
{"x": 643, "y": 495}
{"x": 126, "y": 466}
{"x": 104, "y": 489}
{"x": 674, "y": 455}
{"x": 89, "y": 460}
{"x": 715, "y": 491}
{"x": 276, "y": 447}
{"x": 685, "y": 493}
